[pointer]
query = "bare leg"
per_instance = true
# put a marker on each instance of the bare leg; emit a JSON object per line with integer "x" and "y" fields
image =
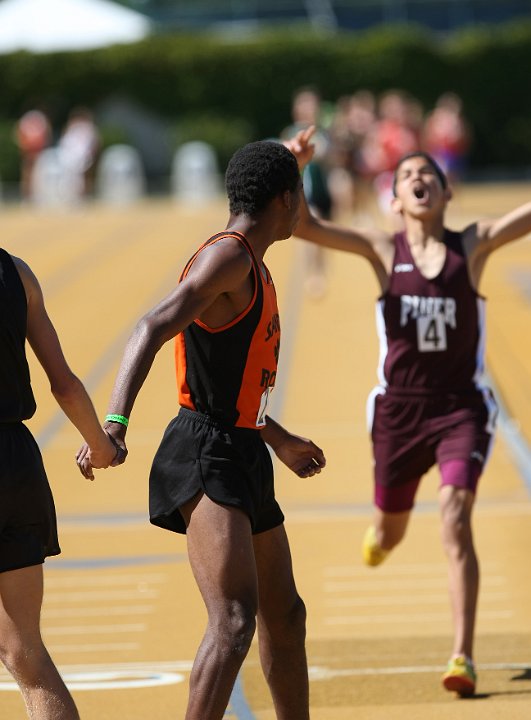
{"x": 22, "y": 650}
{"x": 221, "y": 555}
{"x": 281, "y": 627}
{"x": 390, "y": 528}
{"x": 456, "y": 510}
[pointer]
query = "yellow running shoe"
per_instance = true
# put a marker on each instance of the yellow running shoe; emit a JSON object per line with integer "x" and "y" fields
{"x": 460, "y": 676}
{"x": 373, "y": 554}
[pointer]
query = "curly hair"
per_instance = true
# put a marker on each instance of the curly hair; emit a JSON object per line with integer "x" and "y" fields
{"x": 257, "y": 173}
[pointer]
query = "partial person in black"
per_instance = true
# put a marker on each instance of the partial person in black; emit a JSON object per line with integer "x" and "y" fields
{"x": 431, "y": 406}
{"x": 28, "y": 527}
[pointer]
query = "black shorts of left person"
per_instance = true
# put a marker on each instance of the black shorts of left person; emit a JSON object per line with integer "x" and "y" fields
{"x": 230, "y": 465}
{"x": 28, "y": 524}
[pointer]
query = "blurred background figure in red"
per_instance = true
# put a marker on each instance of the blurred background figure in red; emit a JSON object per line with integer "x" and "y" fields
{"x": 447, "y": 137}
{"x": 394, "y": 134}
{"x": 33, "y": 133}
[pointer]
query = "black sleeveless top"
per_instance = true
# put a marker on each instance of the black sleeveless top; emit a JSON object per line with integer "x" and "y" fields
{"x": 16, "y": 396}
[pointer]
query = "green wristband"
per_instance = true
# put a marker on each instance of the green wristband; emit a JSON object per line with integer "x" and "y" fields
{"x": 117, "y": 419}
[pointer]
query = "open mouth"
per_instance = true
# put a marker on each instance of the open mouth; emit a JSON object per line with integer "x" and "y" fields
{"x": 419, "y": 192}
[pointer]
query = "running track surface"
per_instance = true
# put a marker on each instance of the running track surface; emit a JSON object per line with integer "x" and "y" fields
{"x": 122, "y": 616}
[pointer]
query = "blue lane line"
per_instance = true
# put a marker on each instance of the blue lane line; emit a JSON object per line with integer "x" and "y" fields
{"x": 238, "y": 707}
{"x": 60, "y": 563}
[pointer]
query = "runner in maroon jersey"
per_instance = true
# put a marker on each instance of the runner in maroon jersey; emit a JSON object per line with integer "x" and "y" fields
{"x": 430, "y": 406}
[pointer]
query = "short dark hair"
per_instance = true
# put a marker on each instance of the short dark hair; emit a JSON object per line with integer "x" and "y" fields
{"x": 257, "y": 173}
{"x": 428, "y": 158}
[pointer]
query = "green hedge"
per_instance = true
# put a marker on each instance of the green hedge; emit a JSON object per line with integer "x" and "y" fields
{"x": 241, "y": 90}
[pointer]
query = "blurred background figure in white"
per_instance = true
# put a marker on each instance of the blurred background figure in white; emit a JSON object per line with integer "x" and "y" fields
{"x": 79, "y": 147}
{"x": 195, "y": 173}
{"x": 120, "y": 176}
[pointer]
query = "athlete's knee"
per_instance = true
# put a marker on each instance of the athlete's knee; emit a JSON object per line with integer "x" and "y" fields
{"x": 24, "y": 662}
{"x": 456, "y": 529}
{"x": 391, "y": 530}
{"x": 234, "y": 627}
{"x": 294, "y": 620}
{"x": 286, "y": 628}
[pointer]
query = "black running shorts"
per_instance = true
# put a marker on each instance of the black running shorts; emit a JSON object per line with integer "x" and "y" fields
{"x": 28, "y": 524}
{"x": 232, "y": 466}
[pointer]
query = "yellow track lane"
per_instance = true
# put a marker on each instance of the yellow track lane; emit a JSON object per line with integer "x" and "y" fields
{"x": 121, "y": 601}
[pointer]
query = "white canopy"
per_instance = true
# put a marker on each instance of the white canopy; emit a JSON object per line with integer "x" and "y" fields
{"x": 54, "y": 25}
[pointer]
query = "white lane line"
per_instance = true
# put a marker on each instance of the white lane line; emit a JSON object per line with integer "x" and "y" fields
{"x": 84, "y": 596}
{"x": 424, "y": 569}
{"x": 94, "y": 629}
{"x": 390, "y": 584}
{"x": 371, "y": 601}
{"x": 121, "y": 610}
{"x": 93, "y": 647}
{"x": 149, "y": 674}
{"x": 325, "y": 673}
{"x": 102, "y": 580}
{"x": 412, "y": 620}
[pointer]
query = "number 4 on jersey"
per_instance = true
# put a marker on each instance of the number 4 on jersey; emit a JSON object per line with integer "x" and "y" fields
{"x": 431, "y": 333}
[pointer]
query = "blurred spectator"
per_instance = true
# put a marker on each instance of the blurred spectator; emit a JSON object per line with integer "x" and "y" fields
{"x": 33, "y": 133}
{"x": 354, "y": 119}
{"x": 306, "y": 111}
{"x": 79, "y": 146}
{"x": 395, "y": 133}
{"x": 446, "y": 135}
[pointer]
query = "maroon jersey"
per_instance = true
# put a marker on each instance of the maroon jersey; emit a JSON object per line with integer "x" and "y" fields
{"x": 431, "y": 331}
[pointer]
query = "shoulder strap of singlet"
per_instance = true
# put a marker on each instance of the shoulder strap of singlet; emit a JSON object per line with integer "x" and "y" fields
{"x": 220, "y": 236}
{"x": 401, "y": 248}
{"x": 454, "y": 240}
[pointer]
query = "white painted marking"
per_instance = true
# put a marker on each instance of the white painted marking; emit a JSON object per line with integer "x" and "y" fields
{"x": 378, "y": 600}
{"x": 389, "y": 570}
{"x": 71, "y": 612}
{"x": 325, "y": 673}
{"x": 415, "y": 619}
{"x": 83, "y": 596}
{"x": 391, "y": 584}
{"x": 104, "y": 580}
{"x": 94, "y": 647}
{"x": 94, "y": 629}
{"x": 112, "y": 680}
{"x": 143, "y": 674}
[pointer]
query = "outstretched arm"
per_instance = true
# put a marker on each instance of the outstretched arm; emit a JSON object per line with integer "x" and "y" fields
{"x": 492, "y": 234}
{"x": 375, "y": 245}
{"x": 299, "y": 454}
{"x": 484, "y": 237}
{"x": 66, "y": 387}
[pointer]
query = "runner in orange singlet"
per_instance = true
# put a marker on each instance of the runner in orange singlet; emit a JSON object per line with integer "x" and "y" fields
{"x": 212, "y": 476}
